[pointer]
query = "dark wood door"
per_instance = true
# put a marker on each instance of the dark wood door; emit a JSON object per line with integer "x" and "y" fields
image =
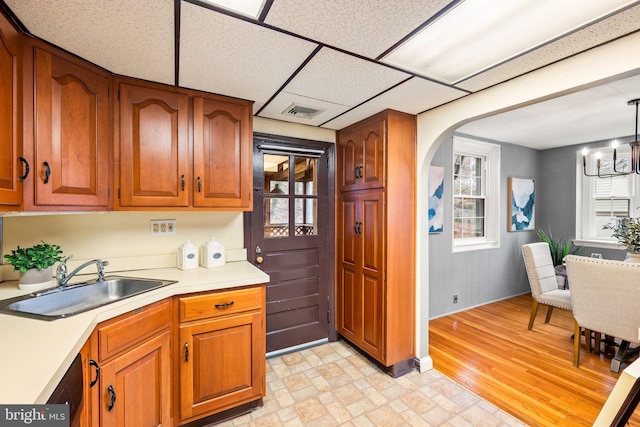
{"x": 291, "y": 237}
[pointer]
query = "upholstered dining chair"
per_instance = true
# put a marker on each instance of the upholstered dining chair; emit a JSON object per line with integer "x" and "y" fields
{"x": 542, "y": 279}
{"x": 604, "y": 297}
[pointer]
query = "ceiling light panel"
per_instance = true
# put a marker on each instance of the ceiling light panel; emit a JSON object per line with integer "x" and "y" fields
{"x": 229, "y": 56}
{"x": 365, "y": 27}
{"x": 249, "y": 8}
{"x": 110, "y": 34}
{"x": 601, "y": 32}
{"x": 448, "y": 49}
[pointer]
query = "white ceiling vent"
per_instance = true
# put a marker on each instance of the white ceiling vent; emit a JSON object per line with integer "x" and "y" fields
{"x": 301, "y": 111}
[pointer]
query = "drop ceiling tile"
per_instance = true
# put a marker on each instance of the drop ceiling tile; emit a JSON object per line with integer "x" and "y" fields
{"x": 365, "y": 27}
{"x": 413, "y": 97}
{"x": 110, "y": 34}
{"x": 338, "y": 78}
{"x": 284, "y": 100}
{"x": 608, "y": 29}
{"x": 229, "y": 56}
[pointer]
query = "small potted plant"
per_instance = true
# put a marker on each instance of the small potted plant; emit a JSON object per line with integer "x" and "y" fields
{"x": 559, "y": 248}
{"x": 35, "y": 264}
{"x": 627, "y": 232}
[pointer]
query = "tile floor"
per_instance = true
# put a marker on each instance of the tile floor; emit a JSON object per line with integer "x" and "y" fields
{"x": 333, "y": 385}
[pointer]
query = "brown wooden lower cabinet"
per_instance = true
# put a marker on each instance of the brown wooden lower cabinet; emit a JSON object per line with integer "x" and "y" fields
{"x": 157, "y": 366}
{"x": 221, "y": 351}
{"x": 134, "y": 387}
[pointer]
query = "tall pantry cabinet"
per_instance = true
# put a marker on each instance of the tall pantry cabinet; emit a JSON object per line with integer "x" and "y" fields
{"x": 375, "y": 235}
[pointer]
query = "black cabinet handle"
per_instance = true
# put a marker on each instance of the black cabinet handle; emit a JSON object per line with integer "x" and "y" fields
{"x": 199, "y": 184}
{"x": 47, "y": 172}
{"x": 186, "y": 352}
{"x": 112, "y": 397}
{"x": 26, "y": 168}
{"x": 355, "y": 173}
{"x": 359, "y": 224}
{"x": 97, "y": 368}
{"x": 182, "y": 182}
{"x": 224, "y": 305}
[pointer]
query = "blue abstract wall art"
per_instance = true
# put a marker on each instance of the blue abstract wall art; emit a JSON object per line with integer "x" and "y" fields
{"x": 521, "y": 204}
{"x": 436, "y": 203}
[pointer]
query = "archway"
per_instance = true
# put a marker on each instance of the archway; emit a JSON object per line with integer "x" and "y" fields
{"x": 608, "y": 62}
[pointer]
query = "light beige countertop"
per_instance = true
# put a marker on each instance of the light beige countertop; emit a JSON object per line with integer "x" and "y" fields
{"x": 35, "y": 354}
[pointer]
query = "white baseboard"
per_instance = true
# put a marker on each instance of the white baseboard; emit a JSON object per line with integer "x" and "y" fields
{"x": 425, "y": 364}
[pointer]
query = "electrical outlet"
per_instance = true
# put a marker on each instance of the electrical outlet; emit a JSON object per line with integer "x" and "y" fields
{"x": 455, "y": 298}
{"x": 163, "y": 227}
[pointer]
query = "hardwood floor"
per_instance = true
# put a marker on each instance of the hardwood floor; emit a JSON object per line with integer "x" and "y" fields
{"x": 528, "y": 374}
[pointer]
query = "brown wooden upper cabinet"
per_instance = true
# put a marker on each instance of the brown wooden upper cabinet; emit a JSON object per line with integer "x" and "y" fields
{"x": 222, "y": 150}
{"x": 154, "y": 148}
{"x": 72, "y": 133}
{"x": 10, "y": 113}
{"x": 362, "y": 157}
{"x": 158, "y": 167}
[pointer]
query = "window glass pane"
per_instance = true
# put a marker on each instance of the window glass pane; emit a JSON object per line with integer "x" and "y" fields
{"x": 276, "y": 217}
{"x": 306, "y": 176}
{"x": 468, "y": 217}
{"x": 467, "y": 175}
{"x": 306, "y": 222}
{"x": 276, "y": 174}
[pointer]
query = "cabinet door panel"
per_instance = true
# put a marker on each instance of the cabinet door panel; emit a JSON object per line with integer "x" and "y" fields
{"x": 349, "y": 303}
{"x": 141, "y": 381}
{"x": 349, "y": 159}
{"x": 222, "y": 363}
{"x": 10, "y": 186}
{"x": 372, "y": 316}
{"x": 372, "y": 218}
{"x": 154, "y": 149}
{"x": 222, "y": 154}
{"x": 72, "y": 133}
{"x": 347, "y": 230}
{"x": 373, "y": 162}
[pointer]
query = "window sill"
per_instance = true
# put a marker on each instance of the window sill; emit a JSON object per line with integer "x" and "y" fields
{"x": 604, "y": 244}
{"x": 476, "y": 246}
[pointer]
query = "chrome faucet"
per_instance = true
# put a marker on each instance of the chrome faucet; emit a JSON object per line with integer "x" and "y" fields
{"x": 63, "y": 278}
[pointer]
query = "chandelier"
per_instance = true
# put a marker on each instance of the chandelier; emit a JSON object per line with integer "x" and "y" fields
{"x": 635, "y": 155}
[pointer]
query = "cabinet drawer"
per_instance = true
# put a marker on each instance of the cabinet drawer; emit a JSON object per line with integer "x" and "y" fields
{"x": 123, "y": 332}
{"x": 220, "y": 304}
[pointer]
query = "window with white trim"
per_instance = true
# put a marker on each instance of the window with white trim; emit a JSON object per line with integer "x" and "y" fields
{"x": 476, "y": 194}
{"x": 605, "y": 199}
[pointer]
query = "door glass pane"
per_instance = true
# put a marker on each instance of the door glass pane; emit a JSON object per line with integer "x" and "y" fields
{"x": 276, "y": 174}
{"x": 306, "y": 176}
{"x": 306, "y": 222}
{"x": 276, "y": 217}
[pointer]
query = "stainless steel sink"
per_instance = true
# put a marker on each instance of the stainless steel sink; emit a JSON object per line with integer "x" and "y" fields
{"x": 56, "y": 303}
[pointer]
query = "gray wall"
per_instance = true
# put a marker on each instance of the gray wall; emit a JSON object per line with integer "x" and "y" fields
{"x": 556, "y": 188}
{"x": 480, "y": 277}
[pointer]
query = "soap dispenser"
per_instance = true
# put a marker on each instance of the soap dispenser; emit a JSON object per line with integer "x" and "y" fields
{"x": 212, "y": 254}
{"x": 187, "y": 256}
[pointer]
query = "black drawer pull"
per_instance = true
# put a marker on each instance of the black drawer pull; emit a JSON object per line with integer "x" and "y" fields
{"x": 95, "y": 365}
{"x": 112, "y": 397}
{"x": 225, "y": 305}
{"x": 186, "y": 352}
{"x": 47, "y": 172}
{"x": 26, "y": 169}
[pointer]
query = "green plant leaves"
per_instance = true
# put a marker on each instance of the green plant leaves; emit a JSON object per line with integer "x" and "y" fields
{"x": 40, "y": 256}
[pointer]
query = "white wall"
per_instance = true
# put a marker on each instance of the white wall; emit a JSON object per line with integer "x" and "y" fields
{"x": 608, "y": 62}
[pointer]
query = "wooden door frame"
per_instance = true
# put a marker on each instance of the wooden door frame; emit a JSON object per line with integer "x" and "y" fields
{"x": 330, "y": 150}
